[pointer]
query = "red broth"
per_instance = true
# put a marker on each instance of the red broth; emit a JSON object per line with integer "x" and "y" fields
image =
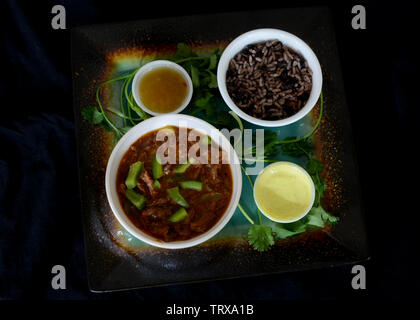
{"x": 205, "y": 206}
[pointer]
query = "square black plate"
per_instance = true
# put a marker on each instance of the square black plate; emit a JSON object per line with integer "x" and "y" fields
{"x": 115, "y": 265}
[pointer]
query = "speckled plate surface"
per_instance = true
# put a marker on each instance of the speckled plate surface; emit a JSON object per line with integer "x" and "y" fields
{"x": 115, "y": 259}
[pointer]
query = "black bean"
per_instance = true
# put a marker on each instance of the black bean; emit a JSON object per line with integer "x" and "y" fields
{"x": 269, "y": 80}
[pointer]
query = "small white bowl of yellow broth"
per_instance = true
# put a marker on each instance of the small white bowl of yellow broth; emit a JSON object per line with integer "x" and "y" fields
{"x": 284, "y": 192}
{"x": 162, "y": 87}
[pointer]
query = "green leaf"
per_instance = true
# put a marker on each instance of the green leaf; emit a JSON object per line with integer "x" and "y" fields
{"x": 328, "y": 218}
{"x": 319, "y": 211}
{"x": 260, "y": 237}
{"x": 213, "y": 61}
{"x": 202, "y": 63}
{"x": 297, "y": 226}
{"x": 211, "y": 111}
{"x": 320, "y": 187}
{"x": 207, "y": 103}
{"x": 217, "y": 53}
{"x": 105, "y": 125}
{"x": 296, "y": 149}
{"x": 283, "y": 233}
{"x": 224, "y": 120}
{"x": 315, "y": 218}
{"x": 285, "y": 230}
{"x": 271, "y": 146}
{"x": 212, "y": 81}
{"x": 183, "y": 51}
{"x": 209, "y": 79}
{"x": 195, "y": 76}
{"x": 313, "y": 166}
{"x": 92, "y": 115}
{"x": 204, "y": 101}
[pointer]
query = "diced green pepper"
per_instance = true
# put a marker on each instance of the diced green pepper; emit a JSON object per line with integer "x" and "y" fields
{"x": 137, "y": 199}
{"x": 175, "y": 178}
{"x": 156, "y": 184}
{"x": 214, "y": 196}
{"x": 157, "y": 169}
{"x": 177, "y": 197}
{"x": 133, "y": 174}
{"x": 206, "y": 140}
{"x": 184, "y": 166}
{"x": 191, "y": 184}
{"x": 179, "y": 215}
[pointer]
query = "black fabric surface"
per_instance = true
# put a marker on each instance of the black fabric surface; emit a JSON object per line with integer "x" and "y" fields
{"x": 40, "y": 218}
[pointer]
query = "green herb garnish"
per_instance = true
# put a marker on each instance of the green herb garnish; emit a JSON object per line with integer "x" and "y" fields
{"x": 261, "y": 236}
{"x": 202, "y": 72}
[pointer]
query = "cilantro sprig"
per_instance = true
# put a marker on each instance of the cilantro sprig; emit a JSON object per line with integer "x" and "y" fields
{"x": 202, "y": 70}
{"x": 260, "y": 236}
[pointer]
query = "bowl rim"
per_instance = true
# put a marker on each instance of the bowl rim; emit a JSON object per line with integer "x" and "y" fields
{"x": 300, "y": 168}
{"x": 264, "y": 34}
{"x": 143, "y": 70}
{"x": 133, "y": 135}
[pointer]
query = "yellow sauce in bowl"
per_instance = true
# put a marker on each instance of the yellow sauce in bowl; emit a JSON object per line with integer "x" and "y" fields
{"x": 284, "y": 192}
{"x": 163, "y": 89}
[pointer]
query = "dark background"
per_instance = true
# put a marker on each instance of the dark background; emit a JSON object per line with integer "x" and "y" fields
{"x": 40, "y": 219}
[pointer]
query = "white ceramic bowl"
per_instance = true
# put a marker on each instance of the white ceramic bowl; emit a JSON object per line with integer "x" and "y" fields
{"x": 289, "y": 40}
{"x": 158, "y": 64}
{"x": 152, "y": 124}
{"x": 312, "y": 189}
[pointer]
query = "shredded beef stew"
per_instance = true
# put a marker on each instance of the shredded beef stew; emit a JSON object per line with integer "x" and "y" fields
{"x": 172, "y": 202}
